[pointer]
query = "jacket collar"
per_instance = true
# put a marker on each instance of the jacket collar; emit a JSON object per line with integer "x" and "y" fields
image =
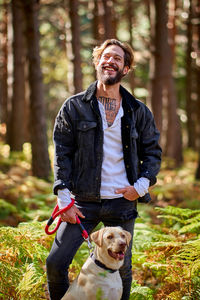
{"x": 130, "y": 100}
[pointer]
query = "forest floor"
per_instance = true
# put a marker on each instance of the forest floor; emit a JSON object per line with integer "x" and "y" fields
{"x": 161, "y": 231}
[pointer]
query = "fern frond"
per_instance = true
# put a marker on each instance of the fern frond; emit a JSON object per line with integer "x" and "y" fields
{"x": 177, "y": 211}
{"x": 193, "y": 228}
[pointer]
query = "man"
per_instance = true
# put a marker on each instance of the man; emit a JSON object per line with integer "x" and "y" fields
{"x": 107, "y": 155}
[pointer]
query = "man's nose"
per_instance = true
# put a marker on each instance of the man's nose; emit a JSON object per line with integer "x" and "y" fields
{"x": 111, "y": 59}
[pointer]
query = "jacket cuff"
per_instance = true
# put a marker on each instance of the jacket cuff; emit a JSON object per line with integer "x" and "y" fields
{"x": 149, "y": 176}
{"x": 145, "y": 199}
{"x": 59, "y": 185}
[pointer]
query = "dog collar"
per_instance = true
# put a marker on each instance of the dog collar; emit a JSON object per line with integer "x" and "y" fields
{"x": 101, "y": 265}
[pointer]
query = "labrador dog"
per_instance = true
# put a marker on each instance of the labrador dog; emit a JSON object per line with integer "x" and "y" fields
{"x": 99, "y": 277}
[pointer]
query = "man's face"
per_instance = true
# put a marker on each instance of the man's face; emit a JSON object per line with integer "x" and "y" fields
{"x": 110, "y": 68}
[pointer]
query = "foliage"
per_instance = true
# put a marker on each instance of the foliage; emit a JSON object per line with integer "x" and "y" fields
{"x": 168, "y": 257}
{"x": 22, "y": 196}
{"x": 139, "y": 292}
{"x": 166, "y": 260}
{"x": 23, "y": 254}
{"x": 183, "y": 220}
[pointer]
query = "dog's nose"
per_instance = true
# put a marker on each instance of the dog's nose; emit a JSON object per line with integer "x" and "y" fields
{"x": 122, "y": 245}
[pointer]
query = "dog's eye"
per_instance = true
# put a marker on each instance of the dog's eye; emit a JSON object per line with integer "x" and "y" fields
{"x": 123, "y": 236}
{"x": 109, "y": 237}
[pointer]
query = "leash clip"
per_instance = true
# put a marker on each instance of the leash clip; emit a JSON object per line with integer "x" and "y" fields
{"x": 84, "y": 233}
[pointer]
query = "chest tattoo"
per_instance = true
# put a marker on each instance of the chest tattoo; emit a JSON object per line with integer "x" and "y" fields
{"x": 111, "y": 108}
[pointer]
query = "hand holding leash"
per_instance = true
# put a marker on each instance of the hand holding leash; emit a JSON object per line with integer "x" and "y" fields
{"x": 57, "y": 212}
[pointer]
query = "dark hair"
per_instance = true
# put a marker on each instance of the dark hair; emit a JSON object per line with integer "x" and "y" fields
{"x": 128, "y": 52}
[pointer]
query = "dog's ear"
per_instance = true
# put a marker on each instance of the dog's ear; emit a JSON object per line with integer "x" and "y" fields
{"x": 97, "y": 237}
{"x": 128, "y": 236}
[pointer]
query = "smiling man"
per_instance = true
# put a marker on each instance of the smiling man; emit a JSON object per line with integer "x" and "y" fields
{"x": 107, "y": 155}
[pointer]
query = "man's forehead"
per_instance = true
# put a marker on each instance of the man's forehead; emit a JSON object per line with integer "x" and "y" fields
{"x": 114, "y": 49}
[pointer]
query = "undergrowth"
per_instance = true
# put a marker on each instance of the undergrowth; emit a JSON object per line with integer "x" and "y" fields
{"x": 166, "y": 248}
{"x": 23, "y": 253}
{"x": 166, "y": 257}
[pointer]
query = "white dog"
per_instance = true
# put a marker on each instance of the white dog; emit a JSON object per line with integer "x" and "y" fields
{"x": 99, "y": 277}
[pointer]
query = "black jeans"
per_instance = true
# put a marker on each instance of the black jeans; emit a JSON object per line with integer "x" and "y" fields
{"x": 112, "y": 212}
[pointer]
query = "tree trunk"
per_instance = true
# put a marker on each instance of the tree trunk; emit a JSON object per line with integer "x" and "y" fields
{"x": 163, "y": 84}
{"x": 98, "y": 26}
{"x": 4, "y": 66}
{"x": 198, "y": 170}
{"x": 174, "y": 137}
{"x": 76, "y": 45}
{"x": 157, "y": 64}
{"x": 130, "y": 11}
{"x": 197, "y": 15}
{"x": 17, "y": 124}
{"x": 109, "y": 19}
{"x": 189, "y": 83}
{"x": 40, "y": 156}
{"x": 172, "y": 26}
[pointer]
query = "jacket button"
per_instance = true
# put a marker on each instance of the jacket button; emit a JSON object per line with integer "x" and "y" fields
{"x": 126, "y": 146}
{"x": 127, "y": 166}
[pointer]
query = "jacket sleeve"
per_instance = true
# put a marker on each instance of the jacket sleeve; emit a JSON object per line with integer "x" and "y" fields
{"x": 149, "y": 150}
{"x": 64, "y": 147}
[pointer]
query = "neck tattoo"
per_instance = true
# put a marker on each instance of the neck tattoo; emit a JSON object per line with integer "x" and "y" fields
{"x": 108, "y": 103}
{"x": 111, "y": 107}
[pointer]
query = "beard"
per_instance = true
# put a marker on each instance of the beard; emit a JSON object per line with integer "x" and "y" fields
{"x": 109, "y": 79}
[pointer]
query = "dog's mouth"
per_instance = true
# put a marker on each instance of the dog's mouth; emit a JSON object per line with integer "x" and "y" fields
{"x": 116, "y": 255}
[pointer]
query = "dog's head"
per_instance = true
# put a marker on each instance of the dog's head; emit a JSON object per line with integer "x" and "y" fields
{"x": 111, "y": 245}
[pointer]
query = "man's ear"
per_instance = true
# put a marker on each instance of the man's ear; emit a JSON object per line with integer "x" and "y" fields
{"x": 97, "y": 62}
{"x": 97, "y": 237}
{"x": 125, "y": 70}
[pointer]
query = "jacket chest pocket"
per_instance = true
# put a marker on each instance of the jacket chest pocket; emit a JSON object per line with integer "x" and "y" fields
{"x": 86, "y": 134}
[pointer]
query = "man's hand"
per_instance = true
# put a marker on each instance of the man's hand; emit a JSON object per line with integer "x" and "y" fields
{"x": 129, "y": 193}
{"x": 70, "y": 215}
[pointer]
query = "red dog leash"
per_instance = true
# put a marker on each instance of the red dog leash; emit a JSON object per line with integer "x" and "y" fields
{"x": 56, "y": 212}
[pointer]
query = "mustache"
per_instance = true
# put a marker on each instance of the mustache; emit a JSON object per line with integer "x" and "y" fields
{"x": 110, "y": 65}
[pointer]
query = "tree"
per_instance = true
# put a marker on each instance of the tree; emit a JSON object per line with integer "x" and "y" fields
{"x": 98, "y": 25}
{"x": 76, "y": 45}
{"x": 40, "y": 157}
{"x": 4, "y": 66}
{"x": 190, "y": 104}
{"x": 130, "y": 11}
{"x": 163, "y": 84}
{"x": 156, "y": 66}
{"x": 17, "y": 124}
{"x": 197, "y": 16}
{"x": 109, "y": 19}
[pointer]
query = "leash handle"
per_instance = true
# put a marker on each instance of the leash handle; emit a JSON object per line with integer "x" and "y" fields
{"x": 56, "y": 212}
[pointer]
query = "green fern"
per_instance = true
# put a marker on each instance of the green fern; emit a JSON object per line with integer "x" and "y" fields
{"x": 23, "y": 255}
{"x": 139, "y": 292}
{"x": 182, "y": 219}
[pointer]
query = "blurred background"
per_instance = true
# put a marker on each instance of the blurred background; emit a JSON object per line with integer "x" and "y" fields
{"x": 45, "y": 56}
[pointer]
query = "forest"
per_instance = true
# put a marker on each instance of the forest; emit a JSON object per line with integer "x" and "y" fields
{"x": 45, "y": 57}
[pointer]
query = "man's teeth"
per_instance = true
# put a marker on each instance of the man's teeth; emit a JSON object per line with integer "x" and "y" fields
{"x": 110, "y": 69}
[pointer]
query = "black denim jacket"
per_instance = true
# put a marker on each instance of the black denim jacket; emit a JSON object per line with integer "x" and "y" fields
{"x": 78, "y": 140}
